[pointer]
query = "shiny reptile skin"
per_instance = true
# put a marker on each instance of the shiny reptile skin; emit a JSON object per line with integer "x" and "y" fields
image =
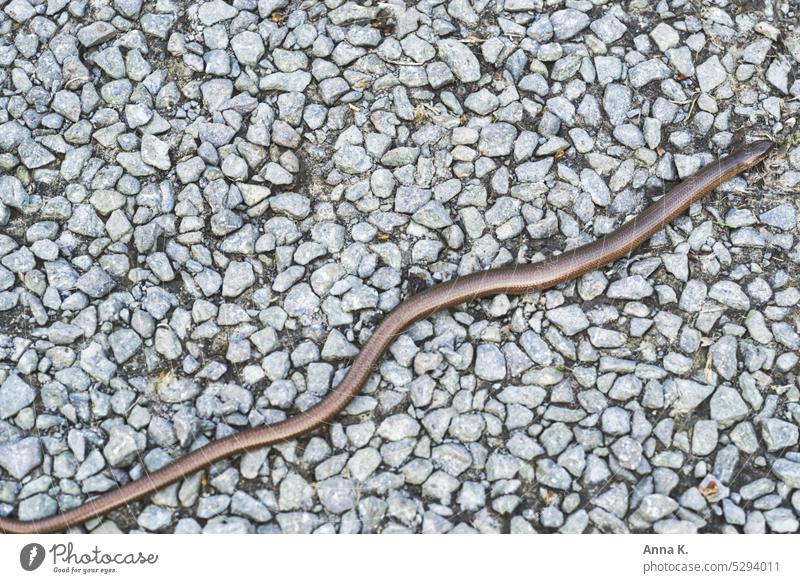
{"x": 513, "y": 280}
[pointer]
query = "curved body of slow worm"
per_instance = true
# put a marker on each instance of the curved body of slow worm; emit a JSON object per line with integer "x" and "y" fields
{"x": 516, "y": 279}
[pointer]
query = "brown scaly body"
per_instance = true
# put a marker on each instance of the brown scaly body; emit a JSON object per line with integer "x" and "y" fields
{"x": 513, "y": 280}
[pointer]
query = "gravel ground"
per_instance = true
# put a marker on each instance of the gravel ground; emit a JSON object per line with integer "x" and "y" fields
{"x": 206, "y": 207}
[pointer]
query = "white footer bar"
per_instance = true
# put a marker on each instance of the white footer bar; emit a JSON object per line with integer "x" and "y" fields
{"x": 400, "y": 558}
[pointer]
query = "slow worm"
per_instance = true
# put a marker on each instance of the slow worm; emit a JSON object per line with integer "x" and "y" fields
{"x": 513, "y": 280}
